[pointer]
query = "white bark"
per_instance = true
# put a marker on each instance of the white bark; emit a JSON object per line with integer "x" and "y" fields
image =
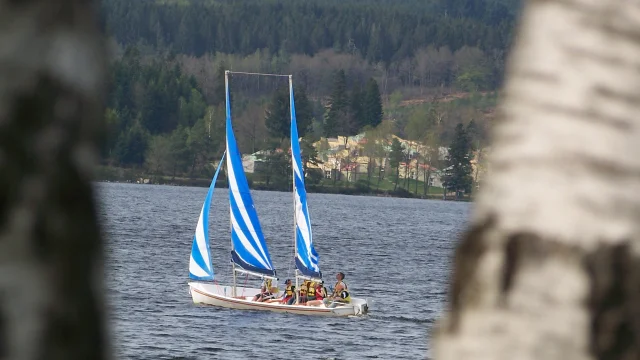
{"x": 52, "y": 77}
{"x": 549, "y": 269}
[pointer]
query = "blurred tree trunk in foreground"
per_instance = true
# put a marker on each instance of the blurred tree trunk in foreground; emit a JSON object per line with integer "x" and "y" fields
{"x": 550, "y": 268}
{"x": 52, "y": 71}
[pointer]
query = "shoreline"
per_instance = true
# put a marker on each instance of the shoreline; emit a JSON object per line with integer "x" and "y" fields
{"x": 311, "y": 189}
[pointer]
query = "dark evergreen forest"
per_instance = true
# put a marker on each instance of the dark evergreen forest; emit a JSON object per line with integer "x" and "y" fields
{"x": 165, "y": 109}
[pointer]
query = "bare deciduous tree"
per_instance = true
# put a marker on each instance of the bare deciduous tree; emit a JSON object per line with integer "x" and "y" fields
{"x": 550, "y": 266}
{"x": 52, "y": 63}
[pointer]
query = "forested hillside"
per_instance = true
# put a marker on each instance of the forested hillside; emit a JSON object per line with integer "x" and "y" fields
{"x": 166, "y": 102}
{"x": 380, "y": 31}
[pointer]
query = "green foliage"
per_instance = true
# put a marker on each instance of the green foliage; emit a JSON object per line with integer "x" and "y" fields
{"x": 190, "y": 111}
{"x": 396, "y": 156}
{"x": 304, "y": 111}
{"x": 309, "y": 154}
{"x": 146, "y": 103}
{"x": 379, "y": 30}
{"x": 420, "y": 124}
{"x": 472, "y": 79}
{"x": 172, "y": 72}
{"x": 278, "y": 115}
{"x": 337, "y": 118}
{"x": 178, "y": 160}
{"x": 112, "y": 130}
{"x": 356, "y": 110}
{"x": 458, "y": 174}
{"x": 313, "y": 176}
{"x": 474, "y": 133}
{"x": 276, "y": 170}
{"x": 219, "y": 90}
{"x": 372, "y": 104}
{"x": 395, "y": 98}
{"x": 200, "y": 148}
{"x": 158, "y": 155}
{"x": 131, "y": 145}
{"x": 349, "y": 112}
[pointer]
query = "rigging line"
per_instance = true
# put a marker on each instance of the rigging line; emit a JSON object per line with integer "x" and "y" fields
{"x": 254, "y": 73}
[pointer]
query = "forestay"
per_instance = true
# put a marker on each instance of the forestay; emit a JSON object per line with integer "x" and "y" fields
{"x": 200, "y": 267}
{"x": 306, "y": 255}
{"x": 249, "y": 248}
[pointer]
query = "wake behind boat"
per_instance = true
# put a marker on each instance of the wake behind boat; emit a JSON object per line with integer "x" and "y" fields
{"x": 249, "y": 253}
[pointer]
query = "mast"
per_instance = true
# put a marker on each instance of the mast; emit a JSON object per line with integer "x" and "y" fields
{"x": 293, "y": 178}
{"x": 233, "y": 264}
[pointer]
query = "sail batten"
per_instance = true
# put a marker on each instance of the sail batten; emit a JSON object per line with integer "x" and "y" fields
{"x": 306, "y": 257}
{"x": 249, "y": 247}
{"x": 200, "y": 267}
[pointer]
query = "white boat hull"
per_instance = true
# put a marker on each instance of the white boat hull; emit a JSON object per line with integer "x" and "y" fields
{"x": 221, "y": 295}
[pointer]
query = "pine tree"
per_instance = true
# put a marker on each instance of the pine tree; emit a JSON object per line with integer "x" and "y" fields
{"x": 350, "y": 117}
{"x": 458, "y": 174}
{"x": 131, "y": 147}
{"x": 473, "y": 131}
{"x": 338, "y": 102}
{"x": 356, "y": 110}
{"x": 278, "y": 115}
{"x": 372, "y": 104}
{"x": 329, "y": 126}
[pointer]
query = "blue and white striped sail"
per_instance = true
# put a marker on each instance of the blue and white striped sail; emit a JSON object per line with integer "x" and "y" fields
{"x": 306, "y": 257}
{"x": 200, "y": 267}
{"x": 249, "y": 246}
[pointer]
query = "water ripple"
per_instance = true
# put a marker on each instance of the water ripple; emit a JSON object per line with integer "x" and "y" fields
{"x": 395, "y": 252}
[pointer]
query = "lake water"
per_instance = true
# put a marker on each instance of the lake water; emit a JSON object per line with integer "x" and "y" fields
{"x": 395, "y": 252}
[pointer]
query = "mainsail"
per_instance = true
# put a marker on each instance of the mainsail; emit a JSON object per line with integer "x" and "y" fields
{"x": 200, "y": 267}
{"x": 306, "y": 257}
{"x": 249, "y": 246}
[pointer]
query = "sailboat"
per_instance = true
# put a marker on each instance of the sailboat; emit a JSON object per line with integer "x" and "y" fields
{"x": 249, "y": 252}
{"x": 306, "y": 256}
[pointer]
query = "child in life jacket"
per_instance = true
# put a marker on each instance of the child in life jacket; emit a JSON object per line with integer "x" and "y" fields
{"x": 320, "y": 294}
{"x": 287, "y": 296}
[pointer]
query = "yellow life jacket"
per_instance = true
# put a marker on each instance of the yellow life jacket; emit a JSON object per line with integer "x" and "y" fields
{"x": 303, "y": 288}
{"x": 289, "y": 290}
{"x": 344, "y": 294}
{"x": 311, "y": 289}
{"x": 268, "y": 286}
{"x": 335, "y": 288}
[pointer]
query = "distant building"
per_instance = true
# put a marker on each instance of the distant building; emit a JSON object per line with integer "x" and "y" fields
{"x": 255, "y": 162}
{"x": 348, "y": 161}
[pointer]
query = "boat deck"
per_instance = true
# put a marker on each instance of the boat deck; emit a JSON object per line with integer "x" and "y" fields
{"x": 221, "y": 295}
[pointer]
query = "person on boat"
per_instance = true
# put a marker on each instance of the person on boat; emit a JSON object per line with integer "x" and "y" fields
{"x": 288, "y": 295}
{"x": 340, "y": 292}
{"x": 321, "y": 293}
{"x": 294, "y": 298}
{"x": 265, "y": 291}
{"x": 311, "y": 292}
{"x": 302, "y": 294}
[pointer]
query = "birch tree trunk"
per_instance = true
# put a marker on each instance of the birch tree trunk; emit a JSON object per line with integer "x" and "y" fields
{"x": 550, "y": 268}
{"x": 51, "y": 89}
